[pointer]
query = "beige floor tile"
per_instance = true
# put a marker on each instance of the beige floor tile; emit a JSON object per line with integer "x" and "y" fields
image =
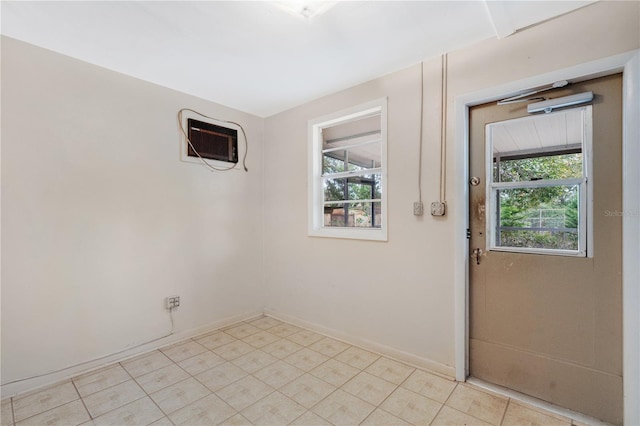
{"x": 6, "y": 412}
{"x": 244, "y": 392}
{"x": 411, "y": 407}
{"x": 158, "y": 379}
{"x": 179, "y": 395}
{"x": 306, "y": 359}
{"x": 278, "y": 374}
{"x": 382, "y": 418}
{"x": 70, "y": 414}
{"x": 389, "y": 370}
{"x": 518, "y": 414}
{"x": 275, "y": 409}
{"x": 310, "y": 419}
{"x": 281, "y": 348}
{"x": 101, "y": 379}
{"x": 341, "y": 408}
{"x": 233, "y": 350}
{"x": 335, "y": 372}
{"x": 242, "y": 330}
{"x": 284, "y": 330}
{"x": 218, "y": 377}
{"x": 369, "y": 388}
{"x": 140, "y": 412}
{"x": 265, "y": 323}
{"x": 358, "y": 358}
{"x": 260, "y": 339}
{"x": 478, "y": 404}
{"x": 146, "y": 363}
{"x": 210, "y": 410}
{"x": 42, "y": 400}
{"x": 111, "y": 398}
{"x": 183, "y": 350}
{"x": 305, "y": 337}
{"x": 450, "y": 417}
{"x": 237, "y": 420}
{"x": 201, "y": 362}
{"x": 429, "y": 385}
{"x": 215, "y": 340}
{"x": 329, "y": 347}
{"x": 540, "y": 410}
{"x": 254, "y": 361}
{"x": 162, "y": 422}
{"x": 307, "y": 390}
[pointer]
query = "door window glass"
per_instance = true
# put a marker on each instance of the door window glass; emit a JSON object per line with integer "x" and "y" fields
{"x": 538, "y": 169}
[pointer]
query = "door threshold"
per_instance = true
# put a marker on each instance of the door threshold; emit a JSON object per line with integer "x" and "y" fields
{"x": 538, "y": 403}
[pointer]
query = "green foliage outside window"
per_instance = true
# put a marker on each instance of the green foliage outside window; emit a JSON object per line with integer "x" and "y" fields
{"x": 545, "y": 217}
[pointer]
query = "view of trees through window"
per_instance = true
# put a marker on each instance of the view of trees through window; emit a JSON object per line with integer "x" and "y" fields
{"x": 540, "y": 217}
{"x": 337, "y": 191}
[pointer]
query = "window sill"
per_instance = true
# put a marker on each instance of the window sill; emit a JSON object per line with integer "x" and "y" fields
{"x": 350, "y": 233}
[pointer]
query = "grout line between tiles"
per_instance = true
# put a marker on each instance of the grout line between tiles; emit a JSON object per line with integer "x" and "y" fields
{"x": 13, "y": 412}
{"x": 147, "y": 395}
{"x": 504, "y": 414}
{"x": 437, "y": 413}
{"x": 445, "y": 402}
{"x": 81, "y": 399}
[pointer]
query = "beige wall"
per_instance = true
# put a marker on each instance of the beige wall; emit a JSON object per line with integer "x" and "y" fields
{"x": 398, "y": 296}
{"x": 101, "y": 220}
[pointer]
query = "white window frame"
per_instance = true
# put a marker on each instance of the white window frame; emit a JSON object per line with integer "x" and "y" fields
{"x": 585, "y": 194}
{"x": 316, "y": 203}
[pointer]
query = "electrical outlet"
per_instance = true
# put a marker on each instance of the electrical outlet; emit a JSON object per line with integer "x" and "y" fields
{"x": 438, "y": 208}
{"x": 418, "y": 208}
{"x": 173, "y": 302}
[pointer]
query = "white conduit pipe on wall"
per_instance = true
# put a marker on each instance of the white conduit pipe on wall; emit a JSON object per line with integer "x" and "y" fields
{"x": 443, "y": 131}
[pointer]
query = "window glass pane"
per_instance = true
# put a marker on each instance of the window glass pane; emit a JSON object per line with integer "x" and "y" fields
{"x": 334, "y": 189}
{"x": 353, "y": 215}
{"x": 364, "y": 187}
{"x": 365, "y": 156}
{"x": 357, "y": 188}
{"x": 562, "y": 166}
{"x": 333, "y": 162}
{"x": 538, "y": 217}
{"x": 352, "y": 132}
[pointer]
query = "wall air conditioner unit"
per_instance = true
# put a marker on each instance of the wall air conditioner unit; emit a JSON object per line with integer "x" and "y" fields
{"x": 208, "y": 140}
{"x": 211, "y": 141}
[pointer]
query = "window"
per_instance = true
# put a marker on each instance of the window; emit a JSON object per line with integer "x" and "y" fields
{"x": 539, "y": 192}
{"x": 347, "y": 166}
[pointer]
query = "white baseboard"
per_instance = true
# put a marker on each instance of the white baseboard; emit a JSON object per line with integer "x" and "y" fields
{"x": 406, "y": 357}
{"x": 45, "y": 379}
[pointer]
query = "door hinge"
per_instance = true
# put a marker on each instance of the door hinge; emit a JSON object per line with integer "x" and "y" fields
{"x": 468, "y": 234}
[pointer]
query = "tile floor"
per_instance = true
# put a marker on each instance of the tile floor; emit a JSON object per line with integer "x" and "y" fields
{"x": 266, "y": 372}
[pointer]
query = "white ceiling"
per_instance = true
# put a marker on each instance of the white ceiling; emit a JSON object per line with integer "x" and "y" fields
{"x": 254, "y": 56}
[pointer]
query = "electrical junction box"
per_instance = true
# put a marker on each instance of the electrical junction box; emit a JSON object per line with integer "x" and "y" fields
{"x": 438, "y": 208}
{"x": 173, "y": 302}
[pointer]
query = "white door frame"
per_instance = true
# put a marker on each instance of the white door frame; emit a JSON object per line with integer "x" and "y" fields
{"x": 629, "y": 64}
